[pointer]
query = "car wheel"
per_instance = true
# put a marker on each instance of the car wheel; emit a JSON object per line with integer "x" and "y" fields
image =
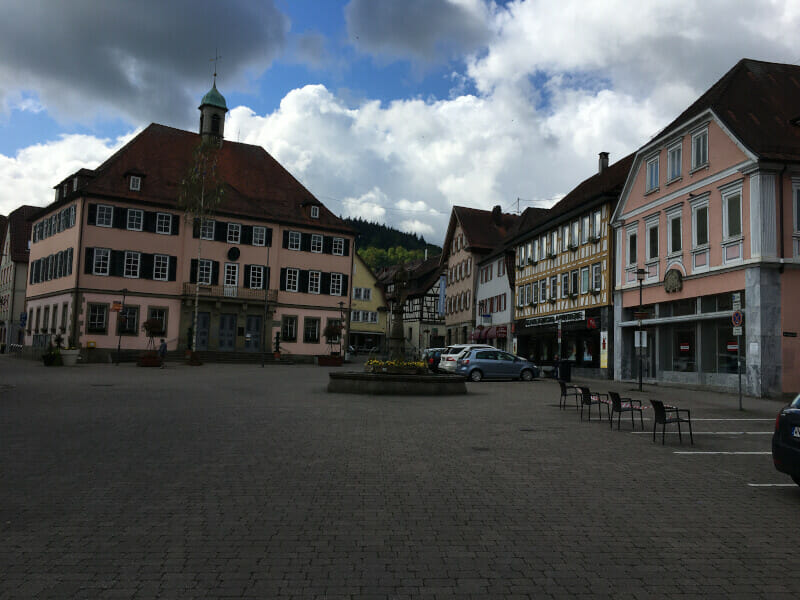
{"x": 796, "y": 479}
{"x": 476, "y": 375}
{"x": 526, "y": 375}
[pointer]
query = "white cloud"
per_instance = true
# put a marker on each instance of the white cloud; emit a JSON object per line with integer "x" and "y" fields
{"x": 368, "y": 206}
{"x": 419, "y": 227}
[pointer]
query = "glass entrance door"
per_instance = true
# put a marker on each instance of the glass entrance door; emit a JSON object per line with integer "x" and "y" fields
{"x": 252, "y": 338}
{"x": 227, "y": 332}
{"x": 203, "y": 323}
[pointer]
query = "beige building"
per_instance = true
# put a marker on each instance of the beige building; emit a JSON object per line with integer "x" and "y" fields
{"x": 14, "y": 275}
{"x": 368, "y": 318}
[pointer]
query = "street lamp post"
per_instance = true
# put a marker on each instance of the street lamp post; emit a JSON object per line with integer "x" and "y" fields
{"x": 121, "y": 315}
{"x": 341, "y": 328}
{"x": 640, "y": 275}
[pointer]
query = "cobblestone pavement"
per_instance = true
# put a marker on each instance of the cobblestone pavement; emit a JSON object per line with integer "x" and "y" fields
{"x": 236, "y": 481}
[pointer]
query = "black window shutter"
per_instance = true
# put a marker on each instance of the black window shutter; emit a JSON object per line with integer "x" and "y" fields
{"x": 70, "y": 258}
{"x": 247, "y": 275}
{"x": 193, "y": 272}
{"x": 282, "y": 282}
{"x": 305, "y": 242}
{"x": 88, "y": 264}
{"x": 149, "y": 222}
{"x": 33, "y": 270}
{"x": 146, "y": 266}
{"x": 325, "y": 284}
{"x": 268, "y": 241}
{"x": 91, "y": 216}
{"x": 303, "y": 283}
{"x": 215, "y": 273}
{"x": 117, "y": 263}
{"x": 175, "y": 228}
{"x": 120, "y": 220}
{"x": 247, "y": 234}
{"x": 345, "y": 291}
{"x": 196, "y": 228}
{"x": 327, "y": 245}
{"x": 266, "y": 278}
{"x": 285, "y": 238}
{"x": 221, "y": 232}
{"x": 173, "y": 266}
{"x": 346, "y": 247}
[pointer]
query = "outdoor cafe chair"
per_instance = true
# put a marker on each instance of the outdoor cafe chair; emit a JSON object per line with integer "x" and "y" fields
{"x": 566, "y": 392}
{"x": 589, "y": 398}
{"x": 620, "y": 405}
{"x": 665, "y": 414}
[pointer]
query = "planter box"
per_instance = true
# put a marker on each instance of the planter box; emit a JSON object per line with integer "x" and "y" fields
{"x": 148, "y": 359}
{"x": 70, "y": 357}
{"x": 325, "y": 360}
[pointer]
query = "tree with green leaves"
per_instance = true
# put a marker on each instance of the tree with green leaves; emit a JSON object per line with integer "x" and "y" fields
{"x": 201, "y": 192}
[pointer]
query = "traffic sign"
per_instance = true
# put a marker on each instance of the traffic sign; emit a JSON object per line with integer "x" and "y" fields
{"x": 737, "y": 301}
{"x": 23, "y": 319}
{"x": 737, "y": 331}
{"x": 737, "y": 318}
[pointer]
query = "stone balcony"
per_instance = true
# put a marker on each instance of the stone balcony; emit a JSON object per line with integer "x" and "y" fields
{"x": 231, "y": 292}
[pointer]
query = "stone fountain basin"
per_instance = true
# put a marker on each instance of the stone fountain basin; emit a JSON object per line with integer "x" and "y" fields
{"x": 387, "y": 384}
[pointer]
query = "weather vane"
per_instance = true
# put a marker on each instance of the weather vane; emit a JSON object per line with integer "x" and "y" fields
{"x": 215, "y": 60}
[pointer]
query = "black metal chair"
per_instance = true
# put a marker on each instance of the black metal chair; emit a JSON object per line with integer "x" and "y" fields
{"x": 588, "y": 398}
{"x": 665, "y": 414}
{"x": 620, "y": 405}
{"x": 566, "y": 392}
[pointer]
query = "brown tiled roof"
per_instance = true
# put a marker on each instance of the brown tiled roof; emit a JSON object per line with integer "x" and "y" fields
{"x": 600, "y": 186}
{"x": 256, "y": 185}
{"x": 422, "y": 275}
{"x": 760, "y": 103}
{"x": 19, "y": 228}
{"x": 480, "y": 229}
{"x": 529, "y": 218}
{"x": 3, "y": 223}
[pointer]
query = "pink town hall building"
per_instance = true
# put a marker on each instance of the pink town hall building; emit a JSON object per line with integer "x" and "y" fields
{"x": 114, "y": 249}
{"x": 710, "y": 215}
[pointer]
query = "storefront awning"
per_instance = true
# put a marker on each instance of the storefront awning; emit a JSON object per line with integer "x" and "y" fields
{"x": 491, "y": 333}
{"x": 476, "y": 334}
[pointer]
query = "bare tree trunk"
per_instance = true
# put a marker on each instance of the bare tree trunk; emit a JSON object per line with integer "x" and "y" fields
{"x": 197, "y": 276}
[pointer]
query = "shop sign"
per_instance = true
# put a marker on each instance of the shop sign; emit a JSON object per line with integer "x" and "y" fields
{"x": 603, "y": 349}
{"x": 116, "y": 306}
{"x": 684, "y": 347}
{"x": 591, "y": 323}
{"x": 502, "y": 331}
{"x": 569, "y": 317}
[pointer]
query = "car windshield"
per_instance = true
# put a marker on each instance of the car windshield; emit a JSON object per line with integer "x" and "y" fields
{"x": 796, "y": 402}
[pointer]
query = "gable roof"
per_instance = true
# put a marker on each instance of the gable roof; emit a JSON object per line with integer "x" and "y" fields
{"x": 422, "y": 275}
{"x": 600, "y": 187}
{"x": 256, "y": 185}
{"x": 529, "y": 219}
{"x": 483, "y": 229}
{"x": 760, "y": 103}
{"x": 19, "y": 230}
{"x": 3, "y": 227}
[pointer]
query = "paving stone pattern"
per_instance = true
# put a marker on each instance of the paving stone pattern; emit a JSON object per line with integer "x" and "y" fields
{"x": 232, "y": 481}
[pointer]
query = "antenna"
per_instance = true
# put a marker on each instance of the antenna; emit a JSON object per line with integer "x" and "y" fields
{"x": 215, "y": 60}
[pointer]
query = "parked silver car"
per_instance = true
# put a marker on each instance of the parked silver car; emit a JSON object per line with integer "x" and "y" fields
{"x": 447, "y": 362}
{"x": 483, "y": 363}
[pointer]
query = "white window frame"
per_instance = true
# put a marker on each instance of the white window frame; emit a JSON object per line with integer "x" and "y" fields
{"x": 597, "y": 277}
{"x": 316, "y": 243}
{"x": 259, "y": 236}
{"x": 726, "y": 234}
{"x": 136, "y": 183}
{"x": 93, "y": 321}
{"x": 205, "y": 269}
{"x": 574, "y": 281}
{"x": 292, "y": 279}
{"x": 133, "y": 264}
{"x": 672, "y": 215}
{"x": 314, "y": 282}
{"x": 295, "y": 240}
{"x": 357, "y": 293}
{"x": 72, "y": 216}
{"x": 107, "y": 215}
{"x": 696, "y": 160}
{"x": 207, "y": 228}
{"x": 651, "y": 174}
{"x": 597, "y": 224}
{"x": 234, "y": 233}
{"x": 337, "y": 246}
{"x": 697, "y": 205}
{"x": 554, "y": 242}
{"x": 565, "y": 284}
{"x": 671, "y": 161}
{"x": 161, "y": 218}
{"x": 315, "y": 212}
{"x": 367, "y": 294}
{"x": 585, "y": 225}
{"x": 575, "y": 232}
{"x": 159, "y": 268}
{"x": 256, "y": 277}
{"x": 629, "y": 234}
{"x": 651, "y": 225}
{"x": 137, "y": 215}
{"x": 231, "y": 277}
{"x": 565, "y": 230}
{"x": 101, "y": 255}
{"x": 554, "y": 287}
{"x": 584, "y": 280}
{"x": 337, "y": 282}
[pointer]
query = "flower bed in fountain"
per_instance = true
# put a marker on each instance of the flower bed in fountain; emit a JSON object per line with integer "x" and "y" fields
{"x": 395, "y": 367}
{"x": 395, "y": 378}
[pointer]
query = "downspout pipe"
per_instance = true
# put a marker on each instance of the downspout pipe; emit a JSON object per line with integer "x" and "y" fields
{"x": 780, "y": 215}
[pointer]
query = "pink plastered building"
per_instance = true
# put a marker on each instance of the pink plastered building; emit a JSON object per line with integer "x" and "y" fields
{"x": 269, "y": 267}
{"x": 708, "y": 224}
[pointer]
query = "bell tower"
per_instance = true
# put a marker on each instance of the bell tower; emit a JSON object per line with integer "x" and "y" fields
{"x": 212, "y": 114}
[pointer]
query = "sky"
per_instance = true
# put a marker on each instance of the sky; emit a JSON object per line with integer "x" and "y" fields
{"x": 390, "y": 111}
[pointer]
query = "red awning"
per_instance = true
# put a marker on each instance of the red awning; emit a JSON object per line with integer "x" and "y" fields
{"x": 491, "y": 333}
{"x": 475, "y": 335}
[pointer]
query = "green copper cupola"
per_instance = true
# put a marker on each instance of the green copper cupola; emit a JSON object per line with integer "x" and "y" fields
{"x": 212, "y": 115}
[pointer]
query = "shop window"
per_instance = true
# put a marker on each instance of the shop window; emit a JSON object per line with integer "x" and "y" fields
{"x": 289, "y": 328}
{"x": 128, "y": 321}
{"x": 684, "y": 349}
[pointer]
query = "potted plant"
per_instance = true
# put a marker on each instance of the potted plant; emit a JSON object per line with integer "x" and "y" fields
{"x": 52, "y": 356}
{"x": 150, "y": 358}
{"x": 332, "y": 333}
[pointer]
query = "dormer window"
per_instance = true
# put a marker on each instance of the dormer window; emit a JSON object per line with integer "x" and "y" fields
{"x": 66, "y": 189}
{"x": 215, "y": 124}
{"x": 315, "y": 212}
{"x": 74, "y": 183}
{"x": 136, "y": 183}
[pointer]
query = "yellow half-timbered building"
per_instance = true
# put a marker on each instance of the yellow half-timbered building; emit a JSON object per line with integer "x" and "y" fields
{"x": 563, "y": 277}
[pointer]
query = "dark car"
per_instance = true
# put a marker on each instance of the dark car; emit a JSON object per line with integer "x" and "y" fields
{"x": 786, "y": 441}
{"x": 431, "y": 358}
{"x": 483, "y": 363}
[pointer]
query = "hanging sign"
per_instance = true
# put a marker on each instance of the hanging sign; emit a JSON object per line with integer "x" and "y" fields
{"x": 684, "y": 347}
{"x": 116, "y": 306}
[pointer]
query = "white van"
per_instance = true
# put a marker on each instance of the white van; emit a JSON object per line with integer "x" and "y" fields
{"x": 447, "y": 363}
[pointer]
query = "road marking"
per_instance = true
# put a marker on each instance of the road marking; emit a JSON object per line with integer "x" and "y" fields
{"x": 733, "y": 419}
{"x": 699, "y": 452}
{"x": 771, "y": 484}
{"x": 686, "y": 432}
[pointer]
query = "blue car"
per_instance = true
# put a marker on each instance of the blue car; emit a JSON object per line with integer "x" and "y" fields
{"x": 483, "y": 363}
{"x": 786, "y": 441}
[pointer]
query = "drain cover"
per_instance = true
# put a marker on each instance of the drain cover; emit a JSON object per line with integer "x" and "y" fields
{"x": 479, "y": 449}
{"x": 526, "y": 429}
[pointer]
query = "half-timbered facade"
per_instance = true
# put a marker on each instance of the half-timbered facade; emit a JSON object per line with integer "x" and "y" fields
{"x": 563, "y": 276}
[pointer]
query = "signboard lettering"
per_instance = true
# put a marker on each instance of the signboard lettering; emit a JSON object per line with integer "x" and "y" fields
{"x": 569, "y": 317}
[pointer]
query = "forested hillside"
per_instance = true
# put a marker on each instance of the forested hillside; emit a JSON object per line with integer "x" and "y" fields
{"x": 383, "y": 246}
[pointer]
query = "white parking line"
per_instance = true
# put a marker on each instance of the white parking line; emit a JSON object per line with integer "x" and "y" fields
{"x": 686, "y": 432}
{"x": 772, "y": 484}
{"x": 733, "y": 419}
{"x": 699, "y": 452}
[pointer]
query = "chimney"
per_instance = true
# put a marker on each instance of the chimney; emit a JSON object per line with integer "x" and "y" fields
{"x": 603, "y": 163}
{"x": 497, "y": 214}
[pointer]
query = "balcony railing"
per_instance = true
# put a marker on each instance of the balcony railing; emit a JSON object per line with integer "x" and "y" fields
{"x": 229, "y": 291}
